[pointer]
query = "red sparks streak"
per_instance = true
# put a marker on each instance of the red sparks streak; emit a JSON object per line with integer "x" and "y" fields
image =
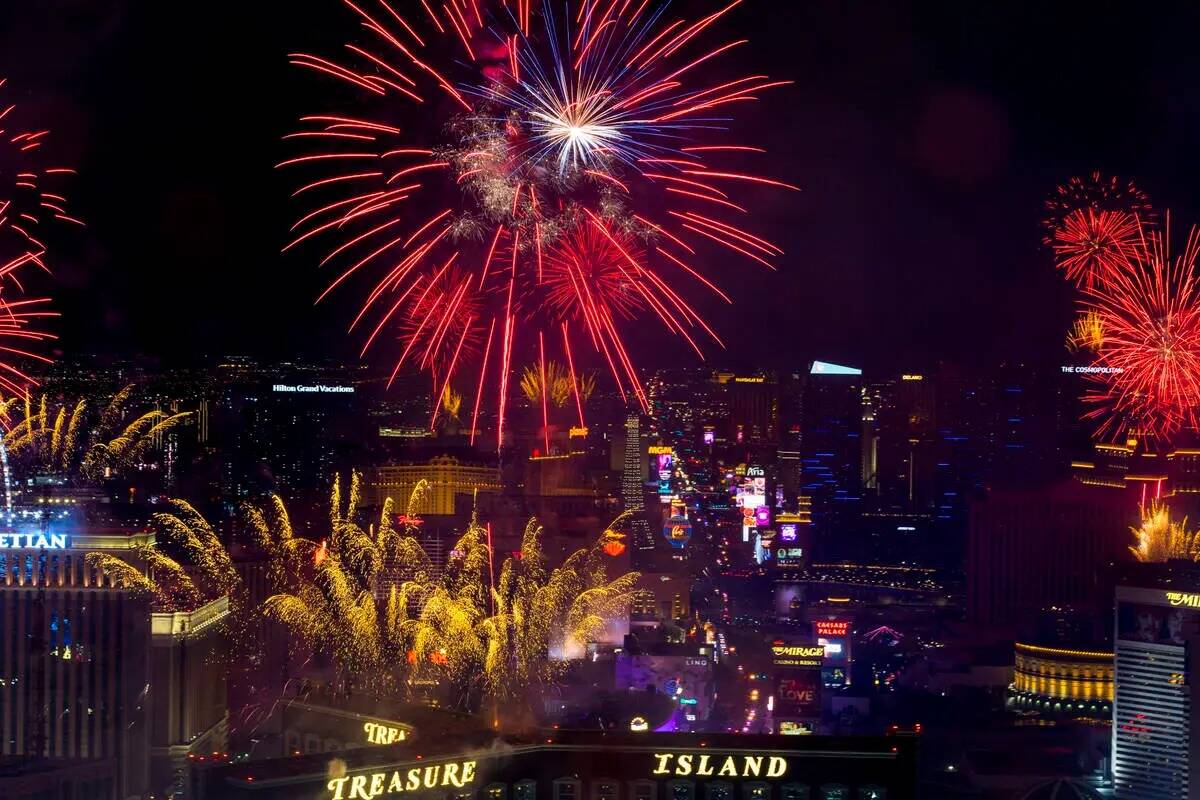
{"x": 1092, "y": 244}
{"x": 1149, "y": 381}
{"x": 487, "y": 351}
{"x": 545, "y": 392}
{"x": 571, "y": 370}
{"x": 573, "y": 249}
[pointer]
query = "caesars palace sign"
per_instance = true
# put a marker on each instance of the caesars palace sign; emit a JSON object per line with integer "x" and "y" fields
{"x": 458, "y": 774}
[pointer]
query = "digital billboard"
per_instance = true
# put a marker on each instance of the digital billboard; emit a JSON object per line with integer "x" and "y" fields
{"x": 798, "y": 694}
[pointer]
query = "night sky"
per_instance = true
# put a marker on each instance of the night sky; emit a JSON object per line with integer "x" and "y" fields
{"x": 925, "y": 136}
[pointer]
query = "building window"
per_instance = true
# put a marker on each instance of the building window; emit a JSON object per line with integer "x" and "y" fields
{"x": 870, "y": 792}
{"x": 794, "y": 791}
{"x": 643, "y": 790}
{"x": 604, "y": 789}
{"x": 718, "y": 790}
{"x": 566, "y": 789}
{"x": 681, "y": 790}
{"x": 495, "y": 791}
{"x": 525, "y": 790}
{"x": 756, "y": 790}
{"x": 835, "y": 791}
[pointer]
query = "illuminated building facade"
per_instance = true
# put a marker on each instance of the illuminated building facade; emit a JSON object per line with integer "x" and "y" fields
{"x": 1028, "y": 550}
{"x": 1058, "y": 681}
{"x": 581, "y": 765}
{"x": 831, "y": 450}
{"x": 633, "y": 489}
{"x": 447, "y": 478}
{"x": 288, "y": 431}
{"x": 89, "y": 671}
{"x": 683, "y": 674}
{"x": 1155, "y": 726}
{"x": 660, "y": 597}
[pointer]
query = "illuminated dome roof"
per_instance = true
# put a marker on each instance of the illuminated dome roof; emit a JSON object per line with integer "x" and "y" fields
{"x": 1061, "y": 789}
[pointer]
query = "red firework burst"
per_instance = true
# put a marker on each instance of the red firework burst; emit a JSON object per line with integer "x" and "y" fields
{"x": 547, "y": 134}
{"x": 1099, "y": 193}
{"x": 1148, "y": 368}
{"x": 30, "y": 202}
{"x": 1092, "y": 244}
{"x": 588, "y": 279}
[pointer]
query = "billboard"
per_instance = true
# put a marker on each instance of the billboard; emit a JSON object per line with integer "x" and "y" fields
{"x": 665, "y": 461}
{"x": 677, "y": 530}
{"x": 798, "y": 694}
{"x": 797, "y": 655}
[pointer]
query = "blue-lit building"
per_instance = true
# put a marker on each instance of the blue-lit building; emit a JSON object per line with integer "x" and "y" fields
{"x": 831, "y": 452}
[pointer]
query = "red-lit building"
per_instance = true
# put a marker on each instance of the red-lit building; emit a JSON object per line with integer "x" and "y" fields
{"x": 1031, "y": 550}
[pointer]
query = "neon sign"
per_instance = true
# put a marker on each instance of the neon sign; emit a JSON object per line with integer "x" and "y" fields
{"x": 320, "y": 388}
{"x": 798, "y": 655}
{"x": 383, "y": 734}
{"x": 683, "y": 764}
{"x": 38, "y": 541}
{"x": 825, "y": 627}
{"x": 1183, "y": 599}
{"x": 364, "y": 787}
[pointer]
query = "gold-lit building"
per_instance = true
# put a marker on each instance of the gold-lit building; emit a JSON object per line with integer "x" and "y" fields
{"x": 1062, "y": 682}
{"x": 91, "y": 672}
{"x": 447, "y": 477}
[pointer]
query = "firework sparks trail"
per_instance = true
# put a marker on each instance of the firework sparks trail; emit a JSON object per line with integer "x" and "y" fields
{"x": 1147, "y": 365}
{"x": 1095, "y": 192}
{"x": 1091, "y": 244}
{"x": 580, "y": 154}
{"x": 31, "y": 201}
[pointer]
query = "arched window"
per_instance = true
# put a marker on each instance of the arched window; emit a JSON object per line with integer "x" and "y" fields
{"x": 795, "y": 791}
{"x": 681, "y": 790}
{"x": 756, "y": 790}
{"x": 718, "y": 790}
{"x": 643, "y": 790}
{"x": 567, "y": 789}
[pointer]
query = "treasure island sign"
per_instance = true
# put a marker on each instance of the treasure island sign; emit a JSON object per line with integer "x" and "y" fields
{"x": 459, "y": 774}
{"x": 378, "y": 784}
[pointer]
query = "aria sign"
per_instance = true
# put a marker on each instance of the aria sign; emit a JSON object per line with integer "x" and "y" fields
{"x": 683, "y": 764}
{"x": 35, "y": 541}
{"x": 456, "y": 774}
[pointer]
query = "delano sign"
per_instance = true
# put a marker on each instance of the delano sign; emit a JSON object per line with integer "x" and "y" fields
{"x": 378, "y": 784}
{"x": 684, "y": 764}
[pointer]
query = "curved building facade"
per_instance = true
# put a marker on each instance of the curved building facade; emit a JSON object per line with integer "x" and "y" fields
{"x": 1058, "y": 681}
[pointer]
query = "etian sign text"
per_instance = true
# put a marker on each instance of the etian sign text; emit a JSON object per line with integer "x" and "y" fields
{"x": 35, "y": 541}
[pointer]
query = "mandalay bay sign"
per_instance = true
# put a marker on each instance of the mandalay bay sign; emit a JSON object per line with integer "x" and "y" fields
{"x": 460, "y": 774}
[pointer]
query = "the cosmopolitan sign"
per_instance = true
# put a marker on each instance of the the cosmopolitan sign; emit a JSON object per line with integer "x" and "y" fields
{"x": 35, "y": 541}
{"x": 320, "y": 388}
{"x": 456, "y": 774}
{"x": 683, "y": 764}
{"x": 1094, "y": 370}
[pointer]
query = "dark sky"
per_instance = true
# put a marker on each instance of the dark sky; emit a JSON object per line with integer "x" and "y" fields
{"x": 925, "y": 136}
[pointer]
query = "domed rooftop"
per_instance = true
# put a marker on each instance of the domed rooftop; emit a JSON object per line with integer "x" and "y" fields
{"x": 1061, "y": 789}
